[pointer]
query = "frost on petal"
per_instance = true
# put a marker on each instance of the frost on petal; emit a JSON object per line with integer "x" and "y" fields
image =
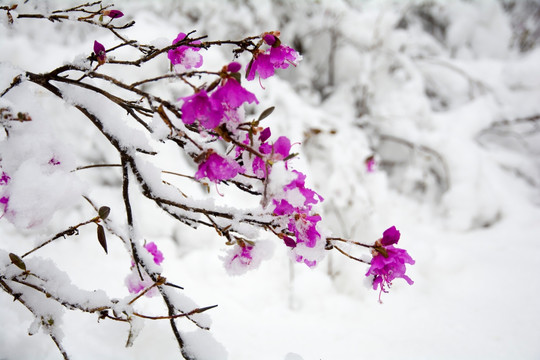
{"x": 184, "y": 57}
{"x": 135, "y": 285}
{"x": 239, "y": 259}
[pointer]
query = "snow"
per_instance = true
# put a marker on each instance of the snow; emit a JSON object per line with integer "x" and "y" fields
{"x": 433, "y": 100}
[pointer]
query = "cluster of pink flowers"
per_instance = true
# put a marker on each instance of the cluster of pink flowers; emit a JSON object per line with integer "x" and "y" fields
{"x": 134, "y": 282}
{"x": 302, "y": 222}
{"x": 388, "y": 262}
{"x": 213, "y": 108}
{"x": 4, "y": 197}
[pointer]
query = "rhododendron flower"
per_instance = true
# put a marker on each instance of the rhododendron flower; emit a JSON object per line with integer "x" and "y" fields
{"x": 115, "y": 14}
{"x": 4, "y": 179}
{"x": 281, "y": 148}
{"x": 370, "y": 164}
{"x": 283, "y": 56}
{"x": 152, "y": 249}
{"x": 308, "y": 194}
{"x": 184, "y": 57}
{"x": 54, "y": 162}
{"x": 136, "y": 285}
{"x": 260, "y": 64}
{"x": 99, "y": 50}
{"x": 233, "y": 95}
{"x": 244, "y": 256}
{"x": 277, "y": 57}
{"x": 202, "y": 108}
{"x": 304, "y": 228}
{"x": 4, "y": 200}
{"x": 390, "y": 236}
{"x": 217, "y": 168}
{"x": 389, "y": 265}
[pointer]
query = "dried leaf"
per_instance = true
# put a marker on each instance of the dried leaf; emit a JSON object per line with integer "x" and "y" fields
{"x": 17, "y": 261}
{"x": 266, "y": 113}
{"x": 101, "y": 238}
{"x": 213, "y": 85}
{"x": 104, "y": 212}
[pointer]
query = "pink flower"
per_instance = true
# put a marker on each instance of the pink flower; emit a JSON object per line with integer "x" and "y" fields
{"x": 99, "y": 50}
{"x": 262, "y": 65}
{"x": 4, "y": 200}
{"x": 217, "y": 168}
{"x": 390, "y": 236}
{"x": 234, "y": 67}
{"x": 370, "y": 164}
{"x": 283, "y": 56}
{"x": 243, "y": 255}
{"x": 199, "y": 106}
{"x": 387, "y": 267}
{"x": 136, "y": 285}
{"x": 4, "y": 179}
{"x": 184, "y": 57}
{"x": 54, "y": 162}
{"x": 233, "y": 95}
{"x": 309, "y": 195}
{"x": 152, "y": 249}
{"x": 114, "y": 14}
{"x": 277, "y": 57}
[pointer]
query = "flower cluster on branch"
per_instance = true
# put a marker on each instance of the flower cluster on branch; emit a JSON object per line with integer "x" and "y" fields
{"x": 254, "y": 161}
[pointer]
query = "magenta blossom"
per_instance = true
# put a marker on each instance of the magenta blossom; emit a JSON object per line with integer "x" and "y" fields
{"x": 135, "y": 284}
{"x": 389, "y": 264}
{"x": 265, "y": 63}
{"x": 262, "y": 65}
{"x": 202, "y": 108}
{"x": 99, "y": 50}
{"x": 114, "y": 14}
{"x": 4, "y": 179}
{"x": 184, "y": 57}
{"x": 152, "y": 249}
{"x": 233, "y": 95}
{"x": 244, "y": 256}
{"x": 4, "y": 200}
{"x": 217, "y": 168}
{"x": 311, "y": 197}
{"x": 234, "y": 67}
{"x": 370, "y": 164}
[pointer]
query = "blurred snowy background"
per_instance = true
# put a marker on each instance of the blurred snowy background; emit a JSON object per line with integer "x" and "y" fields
{"x": 444, "y": 94}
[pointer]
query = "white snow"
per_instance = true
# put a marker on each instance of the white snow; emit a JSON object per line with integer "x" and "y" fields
{"x": 407, "y": 90}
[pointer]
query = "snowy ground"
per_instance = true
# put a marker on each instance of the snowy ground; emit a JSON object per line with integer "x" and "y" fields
{"x": 469, "y": 220}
